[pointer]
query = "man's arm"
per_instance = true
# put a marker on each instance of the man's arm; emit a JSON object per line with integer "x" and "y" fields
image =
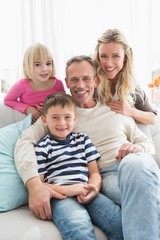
{"x": 39, "y": 198}
{"x": 137, "y": 141}
{"x": 141, "y": 140}
{"x": 25, "y": 157}
{"x": 26, "y": 163}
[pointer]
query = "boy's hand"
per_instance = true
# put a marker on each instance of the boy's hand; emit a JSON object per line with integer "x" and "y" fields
{"x": 91, "y": 194}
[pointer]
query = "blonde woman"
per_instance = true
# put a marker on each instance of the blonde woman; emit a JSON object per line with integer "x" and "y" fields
{"x": 117, "y": 84}
{"x": 28, "y": 94}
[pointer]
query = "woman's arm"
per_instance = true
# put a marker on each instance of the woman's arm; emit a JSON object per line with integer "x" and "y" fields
{"x": 144, "y": 117}
{"x": 143, "y": 111}
{"x": 147, "y": 118}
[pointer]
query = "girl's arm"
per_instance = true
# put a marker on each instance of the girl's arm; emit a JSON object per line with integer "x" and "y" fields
{"x": 11, "y": 98}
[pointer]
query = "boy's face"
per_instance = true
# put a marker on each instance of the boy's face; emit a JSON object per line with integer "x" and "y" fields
{"x": 82, "y": 83}
{"x": 60, "y": 121}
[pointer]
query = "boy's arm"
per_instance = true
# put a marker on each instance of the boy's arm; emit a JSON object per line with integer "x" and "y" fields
{"x": 94, "y": 183}
{"x": 70, "y": 190}
{"x": 94, "y": 175}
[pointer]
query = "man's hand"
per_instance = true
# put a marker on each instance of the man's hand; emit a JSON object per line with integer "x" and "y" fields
{"x": 39, "y": 198}
{"x": 126, "y": 149}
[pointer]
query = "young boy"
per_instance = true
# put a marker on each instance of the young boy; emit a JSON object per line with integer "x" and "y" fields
{"x": 67, "y": 163}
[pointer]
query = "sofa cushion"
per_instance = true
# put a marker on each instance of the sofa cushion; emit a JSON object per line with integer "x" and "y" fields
{"x": 12, "y": 190}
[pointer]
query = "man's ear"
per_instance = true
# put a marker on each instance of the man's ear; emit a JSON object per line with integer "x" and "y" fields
{"x": 66, "y": 81}
{"x": 44, "y": 120}
{"x": 96, "y": 79}
{"x": 76, "y": 116}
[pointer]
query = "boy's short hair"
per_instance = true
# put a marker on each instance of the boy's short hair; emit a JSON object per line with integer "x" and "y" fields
{"x": 62, "y": 99}
{"x": 36, "y": 52}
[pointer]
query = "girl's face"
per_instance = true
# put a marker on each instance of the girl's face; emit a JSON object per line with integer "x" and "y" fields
{"x": 111, "y": 57}
{"x": 42, "y": 70}
{"x": 60, "y": 121}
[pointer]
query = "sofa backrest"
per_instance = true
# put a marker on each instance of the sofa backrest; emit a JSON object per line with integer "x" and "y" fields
{"x": 8, "y": 115}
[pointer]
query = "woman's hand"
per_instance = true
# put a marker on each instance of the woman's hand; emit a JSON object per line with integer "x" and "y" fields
{"x": 121, "y": 107}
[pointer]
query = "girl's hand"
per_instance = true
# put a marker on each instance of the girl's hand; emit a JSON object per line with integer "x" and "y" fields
{"x": 35, "y": 113}
{"x": 39, "y": 107}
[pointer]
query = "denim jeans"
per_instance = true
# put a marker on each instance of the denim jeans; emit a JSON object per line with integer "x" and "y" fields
{"x": 136, "y": 187}
{"x": 75, "y": 221}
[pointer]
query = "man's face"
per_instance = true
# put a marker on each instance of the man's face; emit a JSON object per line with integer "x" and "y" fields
{"x": 81, "y": 82}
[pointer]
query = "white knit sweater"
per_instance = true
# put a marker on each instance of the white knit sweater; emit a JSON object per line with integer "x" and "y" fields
{"x": 107, "y": 130}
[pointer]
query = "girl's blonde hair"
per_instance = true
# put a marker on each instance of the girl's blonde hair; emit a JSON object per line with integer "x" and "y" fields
{"x": 34, "y": 53}
{"x": 126, "y": 75}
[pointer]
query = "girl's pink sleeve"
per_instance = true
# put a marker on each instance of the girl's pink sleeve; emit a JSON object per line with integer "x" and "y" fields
{"x": 12, "y": 97}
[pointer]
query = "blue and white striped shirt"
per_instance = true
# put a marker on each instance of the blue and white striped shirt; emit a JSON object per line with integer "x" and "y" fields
{"x": 64, "y": 162}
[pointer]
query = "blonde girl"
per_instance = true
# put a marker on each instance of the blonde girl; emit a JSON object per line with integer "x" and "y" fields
{"x": 28, "y": 94}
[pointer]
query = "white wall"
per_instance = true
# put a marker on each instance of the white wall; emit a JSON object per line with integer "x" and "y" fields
{"x": 70, "y": 27}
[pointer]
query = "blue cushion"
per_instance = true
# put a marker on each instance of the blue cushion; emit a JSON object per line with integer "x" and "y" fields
{"x": 12, "y": 190}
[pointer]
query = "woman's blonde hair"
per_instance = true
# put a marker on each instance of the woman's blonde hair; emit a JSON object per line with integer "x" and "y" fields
{"x": 126, "y": 75}
{"x": 34, "y": 53}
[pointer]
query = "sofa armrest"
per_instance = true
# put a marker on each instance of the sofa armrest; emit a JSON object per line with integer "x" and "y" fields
{"x": 156, "y": 140}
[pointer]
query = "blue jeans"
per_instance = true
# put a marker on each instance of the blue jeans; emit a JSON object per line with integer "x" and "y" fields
{"x": 136, "y": 187}
{"x": 75, "y": 221}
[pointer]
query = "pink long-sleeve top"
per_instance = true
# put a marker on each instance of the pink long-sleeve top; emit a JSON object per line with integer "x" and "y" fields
{"x": 21, "y": 95}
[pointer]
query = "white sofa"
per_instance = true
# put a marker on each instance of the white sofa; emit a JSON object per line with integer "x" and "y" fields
{"x": 20, "y": 224}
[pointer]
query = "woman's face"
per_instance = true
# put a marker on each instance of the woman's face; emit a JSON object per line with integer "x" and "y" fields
{"x": 111, "y": 57}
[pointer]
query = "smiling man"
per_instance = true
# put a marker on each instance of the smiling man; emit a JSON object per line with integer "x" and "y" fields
{"x": 130, "y": 175}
